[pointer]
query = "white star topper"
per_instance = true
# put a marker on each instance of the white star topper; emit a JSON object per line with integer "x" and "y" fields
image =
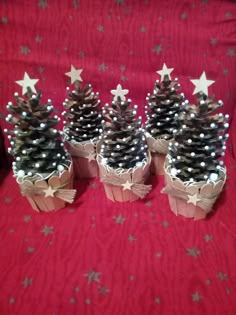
{"x": 27, "y": 83}
{"x": 201, "y": 85}
{"x": 74, "y": 74}
{"x": 119, "y": 92}
{"x": 165, "y": 71}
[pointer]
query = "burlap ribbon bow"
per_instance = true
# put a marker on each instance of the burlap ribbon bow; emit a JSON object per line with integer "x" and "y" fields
{"x": 29, "y": 190}
{"x": 138, "y": 189}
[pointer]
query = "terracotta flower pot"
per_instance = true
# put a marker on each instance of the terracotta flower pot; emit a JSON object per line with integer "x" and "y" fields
{"x": 50, "y": 193}
{"x": 84, "y": 158}
{"x": 192, "y": 199}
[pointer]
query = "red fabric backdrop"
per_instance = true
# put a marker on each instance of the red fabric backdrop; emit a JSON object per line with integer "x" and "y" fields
{"x": 95, "y": 256}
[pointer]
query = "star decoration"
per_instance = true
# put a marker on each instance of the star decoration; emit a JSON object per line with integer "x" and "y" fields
{"x": 93, "y": 276}
{"x": 208, "y": 238}
{"x": 27, "y": 82}
{"x": 122, "y": 68}
{"x": 103, "y": 290}
{"x": 131, "y": 238}
{"x": 158, "y": 49}
{"x": 148, "y": 204}
{"x": 213, "y": 41}
{"x": 27, "y": 218}
{"x": 88, "y": 301}
{"x": 43, "y": 4}
{"x": 194, "y": 252}
{"x": 12, "y": 300}
{"x": 127, "y": 185}
{"x": 100, "y": 28}
{"x": 184, "y": 16}
{"x": 38, "y": 39}
{"x": 119, "y": 92}
{"x": 231, "y": 52}
{"x": 91, "y": 156}
{"x": 202, "y": 84}
{"x": 72, "y": 300}
{"x": 193, "y": 199}
{"x": 103, "y": 67}
{"x": 30, "y": 250}
{"x": 4, "y": 20}
{"x": 27, "y": 282}
{"x": 196, "y": 297}
{"x": 74, "y": 74}
{"x": 49, "y": 192}
{"x": 165, "y": 224}
{"x": 24, "y": 50}
{"x": 222, "y": 276}
{"x": 165, "y": 71}
{"x": 120, "y": 219}
{"x": 47, "y": 230}
{"x": 157, "y": 300}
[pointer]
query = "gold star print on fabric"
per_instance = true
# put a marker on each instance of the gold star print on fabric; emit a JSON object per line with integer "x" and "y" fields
{"x": 47, "y": 230}
{"x": 92, "y": 276}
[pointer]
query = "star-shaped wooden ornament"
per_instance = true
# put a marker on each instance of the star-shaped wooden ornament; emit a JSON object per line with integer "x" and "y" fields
{"x": 27, "y": 82}
{"x": 49, "y": 192}
{"x": 74, "y": 74}
{"x": 165, "y": 71}
{"x": 193, "y": 199}
{"x": 202, "y": 84}
{"x": 91, "y": 156}
{"x": 119, "y": 92}
{"x": 127, "y": 185}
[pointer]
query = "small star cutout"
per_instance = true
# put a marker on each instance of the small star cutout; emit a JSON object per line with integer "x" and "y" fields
{"x": 157, "y": 300}
{"x": 43, "y": 4}
{"x": 194, "y": 252}
{"x": 49, "y": 192}
{"x": 231, "y": 52}
{"x": 208, "y": 238}
{"x": 158, "y": 49}
{"x": 47, "y": 230}
{"x": 127, "y": 185}
{"x": 11, "y": 300}
{"x": 196, "y": 297}
{"x": 74, "y": 74}
{"x": 92, "y": 276}
{"x": 27, "y": 218}
{"x": 213, "y": 41}
{"x": 103, "y": 67}
{"x": 119, "y": 219}
{"x": 222, "y": 276}
{"x": 103, "y": 290}
{"x": 91, "y": 156}
{"x": 27, "y": 282}
{"x": 27, "y": 82}
{"x": 165, "y": 71}
{"x": 24, "y": 50}
{"x": 202, "y": 84}
{"x": 38, "y": 39}
{"x": 131, "y": 238}
{"x": 193, "y": 199}
{"x": 119, "y": 92}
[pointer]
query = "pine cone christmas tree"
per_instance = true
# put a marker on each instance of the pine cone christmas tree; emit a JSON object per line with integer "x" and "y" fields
{"x": 42, "y": 166}
{"x": 123, "y": 158}
{"x": 35, "y": 143}
{"x": 200, "y": 142}
{"x": 83, "y": 115}
{"x": 163, "y": 109}
{"x": 195, "y": 174}
{"x": 82, "y": 129}
{"x": 124, "y": 145}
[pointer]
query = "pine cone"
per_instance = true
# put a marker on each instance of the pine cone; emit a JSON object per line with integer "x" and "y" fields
{"x": 83, "y": 116}
{"x": 200, "y": 142}
{"x": 163, "y": 109}
{"x": 35, "y": 143}
{"x": 123, "y": 141}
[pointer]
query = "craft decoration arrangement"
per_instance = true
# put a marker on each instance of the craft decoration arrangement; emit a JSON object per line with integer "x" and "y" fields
{"x": 184, "y": 142}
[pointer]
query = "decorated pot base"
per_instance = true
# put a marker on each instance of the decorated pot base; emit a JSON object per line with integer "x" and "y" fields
{"x": 124, "y": 186}
{"x": 84, "y": 159}
{"x": 49, "y": 194}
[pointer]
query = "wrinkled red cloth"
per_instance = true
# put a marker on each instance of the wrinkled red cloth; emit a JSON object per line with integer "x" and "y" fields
{"x": 96, "y": 256}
